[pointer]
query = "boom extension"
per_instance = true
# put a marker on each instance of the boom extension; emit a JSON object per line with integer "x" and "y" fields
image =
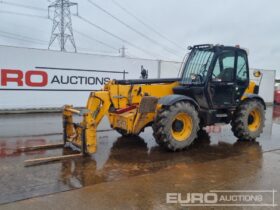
{"x": 129, "y": 107}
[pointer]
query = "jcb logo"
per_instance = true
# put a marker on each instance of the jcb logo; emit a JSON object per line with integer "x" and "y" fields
{"x": 30, "y": 78}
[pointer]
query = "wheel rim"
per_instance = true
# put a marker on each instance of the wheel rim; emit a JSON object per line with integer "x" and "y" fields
{"x": 254, "y": 120}
{"x": 182, "y": 127}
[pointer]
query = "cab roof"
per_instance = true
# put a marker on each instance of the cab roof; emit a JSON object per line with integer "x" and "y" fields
{"x": 216, "y": 47}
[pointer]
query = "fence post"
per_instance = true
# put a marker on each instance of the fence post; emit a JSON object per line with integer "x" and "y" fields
{"x": 159, "y": 69}
{"x": 124, "y": 74}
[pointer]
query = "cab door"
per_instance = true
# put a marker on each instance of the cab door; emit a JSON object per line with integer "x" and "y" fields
{"x": 222, "y": 86}
{"x": 242, "y": 75}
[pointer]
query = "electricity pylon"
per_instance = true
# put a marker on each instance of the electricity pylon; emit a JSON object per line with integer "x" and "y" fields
{"x": 62, "y": 30}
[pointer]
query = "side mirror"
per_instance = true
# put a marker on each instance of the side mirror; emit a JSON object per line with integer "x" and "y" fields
{"x": 257, "y": 73}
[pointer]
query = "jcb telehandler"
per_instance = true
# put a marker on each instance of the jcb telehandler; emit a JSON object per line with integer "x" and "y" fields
{"x": 214, "y": 87}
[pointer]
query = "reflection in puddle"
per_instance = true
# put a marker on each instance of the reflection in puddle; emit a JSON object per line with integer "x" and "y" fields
{"x": 276, "y": 114}
{"x": 130, "y": 157}
{"x": 14, "y": 148}
{"x": 115, "y": 160}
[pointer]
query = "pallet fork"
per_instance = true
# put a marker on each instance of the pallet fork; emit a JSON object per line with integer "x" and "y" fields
{"x": 80, "y": 135}
{"x": 67, "y": 121}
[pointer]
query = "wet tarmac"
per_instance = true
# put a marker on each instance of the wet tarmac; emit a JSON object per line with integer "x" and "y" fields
{"x": 130, "y": 173}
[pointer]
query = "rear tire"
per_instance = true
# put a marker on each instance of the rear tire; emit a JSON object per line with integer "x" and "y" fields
{"x": 175, "y": 127}
{"x": 248, "y": 120}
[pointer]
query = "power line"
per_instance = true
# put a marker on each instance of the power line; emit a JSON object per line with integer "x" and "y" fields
{"x": 83, "y": 49}
{"x": 14, "y": 38}
{"x": 22, "y": 14}
{"x": 132, "y": 28}
{"x": 30, "y": 15}
{"x": 23, "y": 6}
{"x": 90, "y": 23}
{"x": 115, "y": 36}
{"x": 41, "y": 9}
{"x": 147, "y": 26}
{"x": 95, "y": 40}
{"x": 35, "y": 41}
{"x": 21, "y": 37}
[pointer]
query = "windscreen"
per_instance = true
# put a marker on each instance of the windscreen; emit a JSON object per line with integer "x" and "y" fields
{"x": 197, "y": 66}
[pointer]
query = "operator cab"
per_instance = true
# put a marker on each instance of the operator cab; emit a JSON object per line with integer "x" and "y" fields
{"x": 215, "y": 76}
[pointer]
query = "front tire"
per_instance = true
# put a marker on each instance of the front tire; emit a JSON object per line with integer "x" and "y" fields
{"x": 175, "y": 127}
{"x": 248, "y": 120}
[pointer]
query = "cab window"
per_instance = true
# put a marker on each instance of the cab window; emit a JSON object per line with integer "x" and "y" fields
{"x": 242, "y": 68}
{"x": 224, "y": 68}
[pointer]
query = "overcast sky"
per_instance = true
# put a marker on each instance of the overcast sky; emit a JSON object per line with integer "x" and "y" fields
{"x": 253, "y": 24}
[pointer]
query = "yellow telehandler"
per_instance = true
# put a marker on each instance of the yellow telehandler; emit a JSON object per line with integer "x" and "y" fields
{"x": 214, "y": 87}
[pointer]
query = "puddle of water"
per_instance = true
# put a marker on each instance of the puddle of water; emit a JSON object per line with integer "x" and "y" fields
{"x": 116, "y": 158}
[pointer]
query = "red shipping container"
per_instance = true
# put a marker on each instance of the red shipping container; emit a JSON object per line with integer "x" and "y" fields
{"x": 277, "y": 96}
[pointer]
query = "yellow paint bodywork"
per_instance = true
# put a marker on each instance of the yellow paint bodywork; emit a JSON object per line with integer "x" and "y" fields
{"x": 120, "y": 97}
{"x": 98, "y": 105}
{"x": 249, "y": 90}
{"x": 123, "y": 96}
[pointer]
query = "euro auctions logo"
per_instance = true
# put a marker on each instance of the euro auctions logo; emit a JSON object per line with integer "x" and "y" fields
{"x": 227, "y": 198}
{"x": 53, "y": 79}
{"x": 30, "y": 78}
